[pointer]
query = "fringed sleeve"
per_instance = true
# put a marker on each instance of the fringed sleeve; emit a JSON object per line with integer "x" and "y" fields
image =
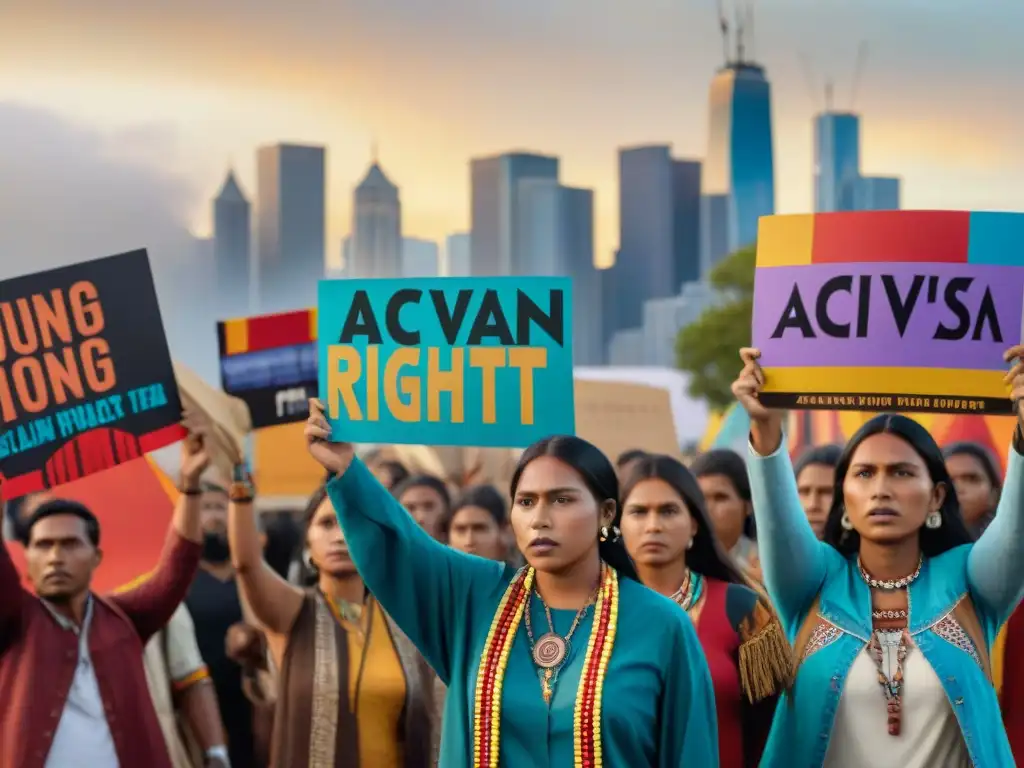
{"x": 766, "y": 661}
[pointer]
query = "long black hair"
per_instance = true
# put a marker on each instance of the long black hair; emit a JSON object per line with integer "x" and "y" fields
{"x": 597, "y": 474}
{"x": 486, "y": 497}
{"x": 706, "y": 556}
{"x": 934, "y": 541}
{"x": 985, "y": 460}
{"x": 730, "y": 465}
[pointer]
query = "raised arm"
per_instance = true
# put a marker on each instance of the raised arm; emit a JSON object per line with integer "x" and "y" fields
{"x": 424, "y": 586}
{"x": 688, "y": 725}
{"x": 792, "y": 559}
{"x": 152, "y": 601}
{"x": 274, "y": 602}
{"x": 995, "y": 565}
{"x": 428, "y": 589}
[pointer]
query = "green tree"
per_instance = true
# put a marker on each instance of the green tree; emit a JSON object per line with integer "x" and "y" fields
{"x": 708, "y": 348}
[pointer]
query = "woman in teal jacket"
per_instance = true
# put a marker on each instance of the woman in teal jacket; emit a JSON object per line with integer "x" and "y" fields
{"x": 893, "y": 614}
{"x": 567, "y": 661}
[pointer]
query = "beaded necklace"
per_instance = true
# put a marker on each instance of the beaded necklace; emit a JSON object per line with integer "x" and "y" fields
{"x": 688, "y": 594}
{"x": 494, "y": 660}
{"x": 889, "y": 647}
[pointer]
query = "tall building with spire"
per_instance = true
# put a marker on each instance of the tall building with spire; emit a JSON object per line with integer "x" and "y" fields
{"x": 376, "y": 245}
{"x": 231, "y": 246}
{"x": 738, "y": 177}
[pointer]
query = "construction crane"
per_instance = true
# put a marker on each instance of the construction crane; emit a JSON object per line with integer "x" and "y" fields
{"x": 723, "y": 24}
{"x": 858, "y": 72}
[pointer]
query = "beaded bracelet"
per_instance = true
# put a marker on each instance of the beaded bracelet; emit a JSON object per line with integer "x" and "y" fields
{"x": 241, "y": 492}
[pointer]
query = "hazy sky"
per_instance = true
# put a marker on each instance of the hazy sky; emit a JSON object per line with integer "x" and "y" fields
{"x": 119, "y": 120}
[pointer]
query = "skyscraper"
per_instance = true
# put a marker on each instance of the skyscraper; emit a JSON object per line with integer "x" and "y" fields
{"x": 686, "y": 221}
{"x": 231, "y": 247}
{"x": 556, "y": 235}
{"x": 836, "y": 161}
{"x": 839, "y": 184}
{"x": 419, "y": 258}
{"x": 738, "y": 181}
{"x": 290, "y": 225}
{"x": 456, "y": 255}
{"x": 376, "y": 249}
{"x": 494, "y": 248}
{"x": 878, "y": 193}
{"x": 659, "y": 228}
{"x": 646, "y": 229}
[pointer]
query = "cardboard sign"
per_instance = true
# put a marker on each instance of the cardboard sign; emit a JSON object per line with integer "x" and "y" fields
{"x": 85, "y": 376}
{"x": 447, "y": 361}
{"x": 888, "y": 310}
{"x": 270, "y": 363}
{"x": 226, "y": 419}
{"x": 617, "y": 417}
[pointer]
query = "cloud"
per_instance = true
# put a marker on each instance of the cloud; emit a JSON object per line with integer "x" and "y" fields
{"x": 70, "y": 194}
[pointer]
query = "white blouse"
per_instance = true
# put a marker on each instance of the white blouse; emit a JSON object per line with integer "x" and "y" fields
{"x": 929, "y": 736}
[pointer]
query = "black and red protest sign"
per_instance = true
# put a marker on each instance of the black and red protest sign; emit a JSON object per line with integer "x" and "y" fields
{"x": 86, "y": 380}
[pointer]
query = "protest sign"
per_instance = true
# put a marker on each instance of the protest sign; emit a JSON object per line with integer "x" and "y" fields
{"x": 270, "y": 363}
{"x": 447, "y": 361}
{"x": 617, "y": 416}
{"x": 888, "y": 310}
{"x": 225, "y": 418}
{"x": 86, "y": 380}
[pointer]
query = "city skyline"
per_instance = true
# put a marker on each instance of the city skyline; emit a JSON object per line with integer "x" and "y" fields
{"x": 198, "y": 90}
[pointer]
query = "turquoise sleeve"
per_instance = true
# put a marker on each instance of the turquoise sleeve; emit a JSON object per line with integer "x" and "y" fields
{"x": 995, "y": 565}
{"x": 428, "y": 589}
{"x": 689, "y": 726}
{"x": 792, "y": 559}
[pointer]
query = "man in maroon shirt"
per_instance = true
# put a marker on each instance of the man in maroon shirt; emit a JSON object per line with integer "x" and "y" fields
{"x": 73, "y": 688}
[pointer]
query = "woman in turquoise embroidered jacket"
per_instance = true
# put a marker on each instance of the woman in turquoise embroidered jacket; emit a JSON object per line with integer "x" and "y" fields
{"x": 893, "y": 614}
{"x": 526, "y": 654}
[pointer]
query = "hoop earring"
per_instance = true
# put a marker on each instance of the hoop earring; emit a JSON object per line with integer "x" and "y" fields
{"x": 934, "y": 520}
{"x": 845, "y": 522}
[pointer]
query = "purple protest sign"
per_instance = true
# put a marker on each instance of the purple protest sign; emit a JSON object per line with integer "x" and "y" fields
{"x": 876, "y": 314}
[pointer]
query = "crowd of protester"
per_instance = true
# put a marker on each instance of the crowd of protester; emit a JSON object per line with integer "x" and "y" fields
{"x": 255, "y": 642}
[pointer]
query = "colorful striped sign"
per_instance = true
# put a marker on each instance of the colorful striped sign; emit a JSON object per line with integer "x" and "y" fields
{"x": 270, "y": 362}
{"x": 253, "y": 334}
{"x": 889, "y": 310}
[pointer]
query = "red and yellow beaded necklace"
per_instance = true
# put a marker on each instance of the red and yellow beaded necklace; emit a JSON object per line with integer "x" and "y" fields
{"x": 494, "y": 659}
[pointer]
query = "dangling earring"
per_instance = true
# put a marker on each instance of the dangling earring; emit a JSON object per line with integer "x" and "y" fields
{"x": 845, "y": 522}
{"x": 307, "y": 560}
{"x": 934, "y": 520}
{"x": 689, "y": 544}
{"x": 604, "y": 533}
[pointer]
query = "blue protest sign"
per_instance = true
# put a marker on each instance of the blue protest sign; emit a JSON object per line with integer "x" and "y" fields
{"x": 447, "y": 361}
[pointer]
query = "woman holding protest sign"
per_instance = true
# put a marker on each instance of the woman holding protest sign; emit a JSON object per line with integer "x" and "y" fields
{"x": 894, "y": 614}
{"x": 527, "y": 654}
{"x": 666, "y": 528}
{"x": 353, "y": 691}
